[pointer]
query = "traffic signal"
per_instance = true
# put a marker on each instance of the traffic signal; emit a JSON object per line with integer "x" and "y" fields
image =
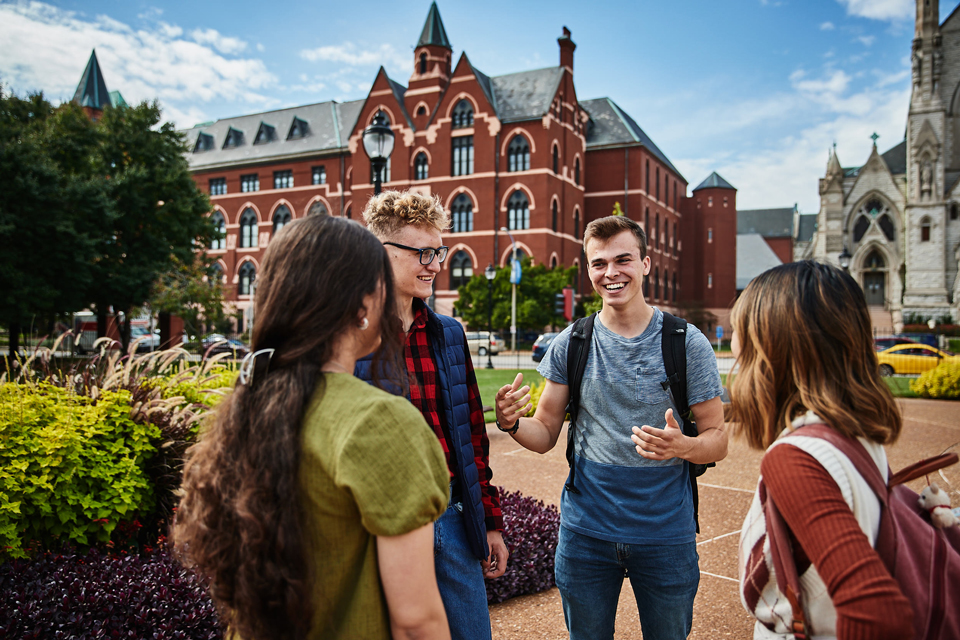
{"x": 559, "y": 304}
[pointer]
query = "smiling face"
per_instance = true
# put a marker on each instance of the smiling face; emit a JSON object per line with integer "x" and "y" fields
{"x": 616, "y": 269}
{"x": 412, "y": 279}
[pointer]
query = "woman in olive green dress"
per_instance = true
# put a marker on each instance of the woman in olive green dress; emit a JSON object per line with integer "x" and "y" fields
{"x": 309, "y": 502}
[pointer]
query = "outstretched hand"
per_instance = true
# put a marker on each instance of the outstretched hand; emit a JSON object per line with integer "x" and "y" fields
{"x": 662, "y": 444}
{"x": 513, "y": 401}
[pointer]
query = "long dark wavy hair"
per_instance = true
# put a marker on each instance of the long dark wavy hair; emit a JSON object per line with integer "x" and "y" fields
{"x": 239, "y": 521}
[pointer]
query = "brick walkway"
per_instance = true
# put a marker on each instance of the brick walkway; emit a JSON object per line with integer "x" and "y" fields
{"x": 930, "y": 427}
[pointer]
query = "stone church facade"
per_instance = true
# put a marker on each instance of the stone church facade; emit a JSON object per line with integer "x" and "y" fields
{"x": 896, "y": 217}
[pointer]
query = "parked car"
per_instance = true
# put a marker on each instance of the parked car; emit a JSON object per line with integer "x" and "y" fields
{"x": 149, "y": 340}
{"x": 478, "y": 341}
{"x": 911, "y": 359}
{"x": 885, "y": 342}
{"x": 541, "y": 344}
{"x": 217, "y": 343}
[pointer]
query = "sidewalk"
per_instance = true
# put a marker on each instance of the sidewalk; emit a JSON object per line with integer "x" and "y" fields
{"x": 930, "y": 427}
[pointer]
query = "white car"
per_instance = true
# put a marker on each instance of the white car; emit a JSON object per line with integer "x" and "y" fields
{"x": 478, "y": 341}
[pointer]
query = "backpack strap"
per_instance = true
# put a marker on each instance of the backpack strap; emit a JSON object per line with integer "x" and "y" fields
{"x": 580, "y": 337}
{"x": 784, "y": 565}
{"x": 673, "y": 345}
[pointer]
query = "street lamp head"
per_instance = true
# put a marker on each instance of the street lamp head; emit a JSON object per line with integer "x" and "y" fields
{"x": 845, "y": 258}
{"x": 490, "y": 272}
{"x": 504, "y": 229}
{"x": 378, "y": 138}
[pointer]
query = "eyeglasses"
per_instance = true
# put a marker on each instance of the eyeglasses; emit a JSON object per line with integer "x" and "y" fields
{"x": 426, "y": 254}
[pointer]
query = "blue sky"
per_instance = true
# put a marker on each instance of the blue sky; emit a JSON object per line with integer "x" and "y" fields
{"x": 756, "y": 90}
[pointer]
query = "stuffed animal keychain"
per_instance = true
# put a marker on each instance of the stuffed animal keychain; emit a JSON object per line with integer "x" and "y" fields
{"x": 936, "y": 501}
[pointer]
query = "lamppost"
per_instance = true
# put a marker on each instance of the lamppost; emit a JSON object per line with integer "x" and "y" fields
{"x": 490, "y": 273}
{"x": 378, "y": 143}
{"x": 513, "y": 293}
{"x": 845, "y": 259}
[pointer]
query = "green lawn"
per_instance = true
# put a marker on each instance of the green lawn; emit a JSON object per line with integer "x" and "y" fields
{"x": 490, "y": 381}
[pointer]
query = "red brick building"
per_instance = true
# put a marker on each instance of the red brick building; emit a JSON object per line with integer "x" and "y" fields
{"x": 519, "y": 151}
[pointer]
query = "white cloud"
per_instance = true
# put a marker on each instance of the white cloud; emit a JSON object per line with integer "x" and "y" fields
{"x": 827, "y": 26}
{"x": 223, "y": 44}
{"x": 261, "y": 48}
{"x": 354, "y": 56}
{"x": 866, "y": 40}
{"x": 892, "y": 10}
{"x": 144, "y": 64}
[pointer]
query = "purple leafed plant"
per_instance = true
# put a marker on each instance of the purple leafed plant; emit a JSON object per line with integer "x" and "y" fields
{"x": 69, "y": 595}
{"x": 530, "y": 533}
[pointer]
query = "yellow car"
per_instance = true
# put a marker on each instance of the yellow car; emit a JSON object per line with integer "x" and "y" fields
{"x": 911, "y": 359}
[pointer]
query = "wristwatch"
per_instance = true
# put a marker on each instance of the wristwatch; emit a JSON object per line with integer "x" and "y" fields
{"x": 512, "y": 430}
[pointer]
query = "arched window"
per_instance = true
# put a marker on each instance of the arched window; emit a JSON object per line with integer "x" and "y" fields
{"x": 461, "y": 269}
{"x": 874, "y": 261}
{"x": 925, "y": 230}
{"x": 646, "y": 223}
{"x": 248, "y": 229}
{"x": 656, "y": 184}
{"x": 556, "y": 159}
{"x": 666, "y": 285}
{"x": 318, "y": 209}
{"x": 421, "y": 110}
{"x": 280, "y": 218}
{"x": 420, "y": 164}
{"x": 576, "y": 172}
{"x": 555, "y": 215}
{"x": 860, "y": 228}
{"x": 463, "y": 115}
{"x": 646, "y": 287}
{"x": 576, "y": 224}
{"x": 220, "y": 228}
{"x": 349, "y": 214}
{"x": 646, "y": 182}
{"x": 674, "y": 286}
{"x": 518, "y": 154}
{"x": 423, "y": 63}
{"x": 518, "y": 211}
{"x": 656, "y": 232}
{"x": 676, "y": 241}
{"x": 886, "y": 225}
{"x": 462, "y": 214}
{"x": 248, "y": 273}
{"x": 666, "y": 231}
{"x": 553, "y": 262}
{"x": 656, "y": 283}
{"x": 215, "y": 274}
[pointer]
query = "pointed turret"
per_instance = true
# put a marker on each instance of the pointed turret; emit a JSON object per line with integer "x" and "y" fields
{"x": 433, "y": 33}
{"x": 715, "y": 181}
{"x": 431, "y": 65}
{"x": 833, "y": 163}
{"x": 92, "y": 92}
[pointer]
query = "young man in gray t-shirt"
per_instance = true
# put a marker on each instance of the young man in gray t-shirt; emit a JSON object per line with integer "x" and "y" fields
{"x": 632, "y": 513}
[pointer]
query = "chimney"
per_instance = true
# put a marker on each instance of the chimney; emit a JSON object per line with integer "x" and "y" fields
{"x": 566, "y": 50}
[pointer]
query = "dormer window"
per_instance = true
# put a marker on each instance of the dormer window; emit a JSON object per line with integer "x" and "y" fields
{"x": 204, "y": 143}
{"x": 463, "y": 115}
{"x": 299, "y": 129}
{"x": 234, "y": 138}
{"x": 265, "y": 134}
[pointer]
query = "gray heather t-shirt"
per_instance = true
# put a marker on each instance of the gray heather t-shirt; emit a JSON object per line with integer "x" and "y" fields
{"x": 623, "y": 496}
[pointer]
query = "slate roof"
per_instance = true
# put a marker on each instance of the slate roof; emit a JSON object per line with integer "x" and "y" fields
{"x": 896, "y": 158}
{"x": 433, "y": 31}
{"x": 806, "y": 226}
{"x": 92, "y": 90}
{"x": 715, "y": 181}
{"x": 526, "y": 95}
{"x": 769, "y": 223}
{"x": 754, "y": 256}
{"x": 611, "y": 126}
{"x": 329, "y": 123}
{"x": 949, "y": 181}
{"x": 487, "y": 85}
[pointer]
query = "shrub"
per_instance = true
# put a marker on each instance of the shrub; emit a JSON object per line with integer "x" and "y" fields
{"x": 97, "y": 595}
{"x": 943, "y": 381}
{"x": 530, "y": 533}
{"x": 536, "y": 390}
{"x": 71, "y": 467}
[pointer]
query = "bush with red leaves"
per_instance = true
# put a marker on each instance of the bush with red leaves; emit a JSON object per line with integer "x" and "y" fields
{"x": 530, "y": 531}
{"x": 97, "y": 595}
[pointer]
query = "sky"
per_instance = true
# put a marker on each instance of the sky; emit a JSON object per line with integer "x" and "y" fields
{"x": 756, "y": 90}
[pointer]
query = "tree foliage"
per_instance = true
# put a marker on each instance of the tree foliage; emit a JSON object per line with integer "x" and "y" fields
{"x": 192, "y": 291}
{"x": 535, "y": 298}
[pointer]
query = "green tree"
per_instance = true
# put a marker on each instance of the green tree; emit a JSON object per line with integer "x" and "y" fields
{"x": 192, "y": 291}
{"x": 535, "y": 297}
{"x": 160, "y": 213}
{"x": 53, "y": 211}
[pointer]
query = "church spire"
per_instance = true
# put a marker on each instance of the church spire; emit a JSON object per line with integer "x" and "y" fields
{"x": 92, "y": 91}
{"x": 433, "y": 33}
{"x": 833, "y": 163}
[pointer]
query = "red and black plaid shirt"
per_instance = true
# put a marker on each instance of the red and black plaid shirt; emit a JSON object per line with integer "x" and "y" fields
{"x": 423, "y": 393}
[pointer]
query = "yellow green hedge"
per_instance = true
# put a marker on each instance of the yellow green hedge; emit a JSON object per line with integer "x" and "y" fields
{"x": 942, "y": 382}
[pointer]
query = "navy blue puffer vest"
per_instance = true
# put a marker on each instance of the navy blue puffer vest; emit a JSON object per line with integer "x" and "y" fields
{"x": 449, "y": 348}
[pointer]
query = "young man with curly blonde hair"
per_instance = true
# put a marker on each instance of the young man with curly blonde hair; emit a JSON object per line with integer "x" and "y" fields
{"x": 443, "y": 386}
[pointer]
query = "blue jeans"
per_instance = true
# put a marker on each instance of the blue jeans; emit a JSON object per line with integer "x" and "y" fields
{"x": 460, "y": 578}
{"x": 590, "y": 573}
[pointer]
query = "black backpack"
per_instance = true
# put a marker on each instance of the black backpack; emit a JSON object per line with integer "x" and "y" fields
{"x": 673, "y": 345}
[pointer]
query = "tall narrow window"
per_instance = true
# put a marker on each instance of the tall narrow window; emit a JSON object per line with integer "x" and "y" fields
{"x": 556, "y": 159}
{"x": 248, "y": 229}
{"x": 666, "y": 189}
{"x": 462, "y": 156}
{"x": 518, "y": 211}
{"x": 283, "y": 179}
{"x": 646, "y": 223}
{"x": 461, "y": 212}
{"x": 280, "y": 218}
{"x": 646, "y": 286}
{"x": 248, "y": 273}
{"x": 576, "y": 172}
{"x": 319, "y": 175}
{"x": 656, "y": 232}
{"x": 461, "y": 269}
{"x": 676, "y": 240}
{"x": 656, "y": 283}
{"x": 674, "y": 286}
{"x": 463, "y": 115}
{"x": 666, "y": 285}
{"x": 423, "y": 63}
{"x": 860, "y": 228}
{"x": 218, "y": 186}
{"x": 666, "y": 230}
{"x": 576, "y": 224}
{"x": 675, "y": 196}
{"x": 518, "y": 154}
{"x": 886, "y": 225}
{"x": 555, "y": 215}
{"x": 220, "y": 228}
{"x": 249, "y": 183}
{"x": 420, "y": 167}
{"x": 657, "y": 183}
{"x": 646, "y": 183}
{"x": 925, "y": 230}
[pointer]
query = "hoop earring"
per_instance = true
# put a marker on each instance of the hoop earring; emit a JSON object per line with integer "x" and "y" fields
{"x": 364, "y": 324}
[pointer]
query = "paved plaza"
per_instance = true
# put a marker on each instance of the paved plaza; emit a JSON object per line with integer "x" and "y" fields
{"x": 930, "y": 427}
